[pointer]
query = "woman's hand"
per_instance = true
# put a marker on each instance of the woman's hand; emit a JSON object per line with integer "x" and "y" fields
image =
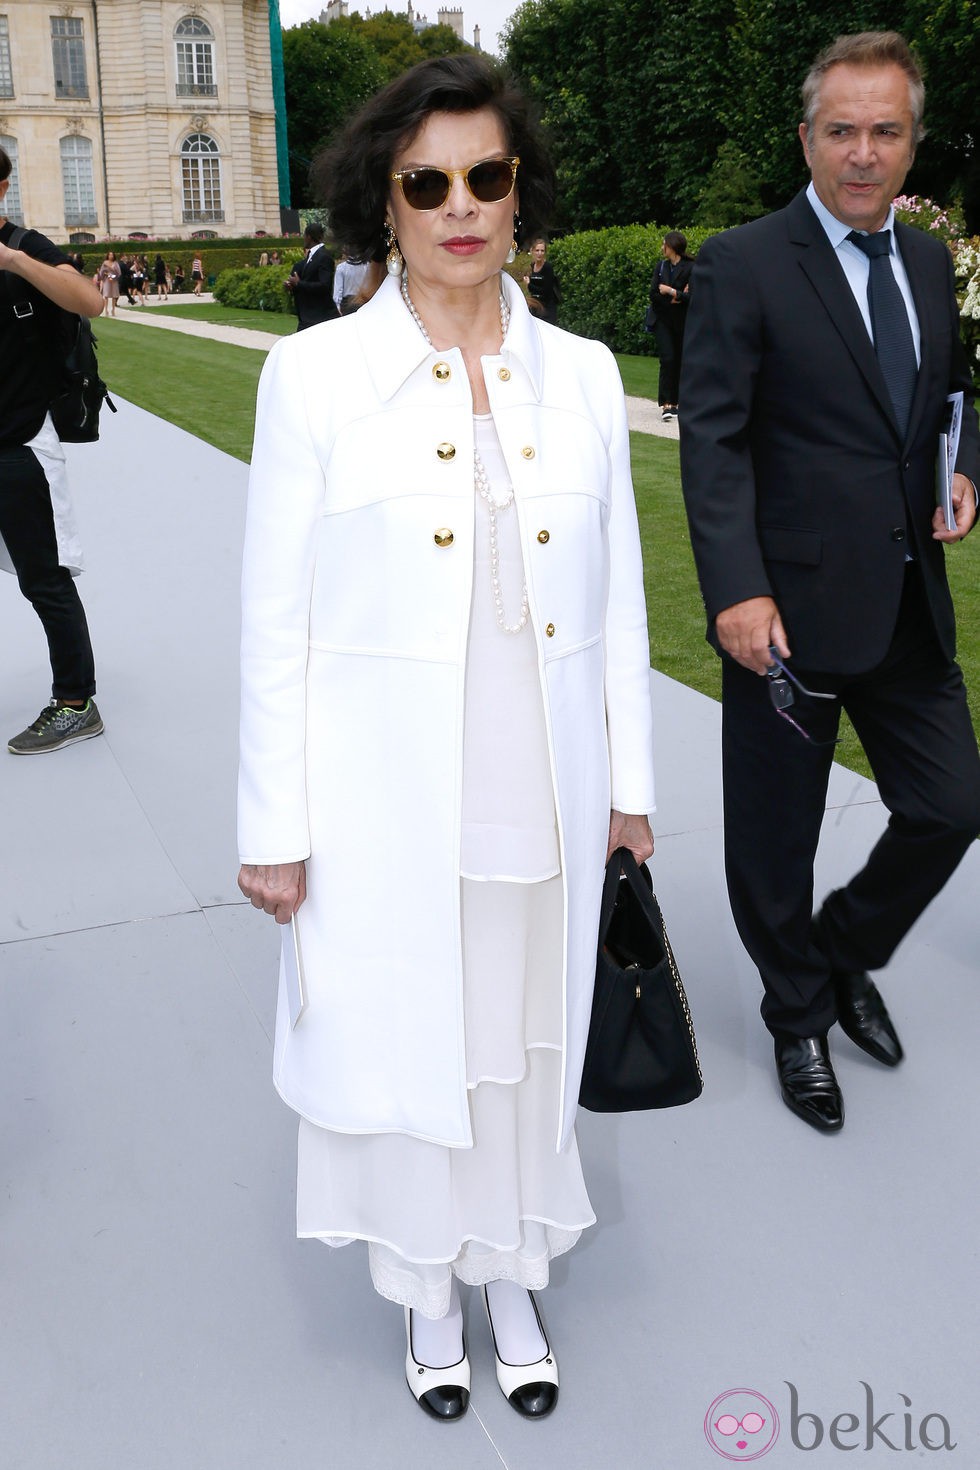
{"x": 278, "y": 888}
{"x": 632, "y": 832}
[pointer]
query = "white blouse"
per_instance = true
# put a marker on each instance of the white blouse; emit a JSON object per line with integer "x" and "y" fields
{"x": 509, "y": 829}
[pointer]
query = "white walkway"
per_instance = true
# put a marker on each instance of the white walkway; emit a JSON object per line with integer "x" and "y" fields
{"x": 157, "y": 1313}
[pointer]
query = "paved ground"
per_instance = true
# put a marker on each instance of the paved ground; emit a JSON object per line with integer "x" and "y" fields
{"x": 158, "y": 1313}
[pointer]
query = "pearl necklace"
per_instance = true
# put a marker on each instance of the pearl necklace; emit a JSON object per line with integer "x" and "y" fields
{"x": 481, "y": 484}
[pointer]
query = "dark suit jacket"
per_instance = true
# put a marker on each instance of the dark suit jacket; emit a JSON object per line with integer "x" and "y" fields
{"x": 797, "y": 482}
{"x": 313, "y": 292}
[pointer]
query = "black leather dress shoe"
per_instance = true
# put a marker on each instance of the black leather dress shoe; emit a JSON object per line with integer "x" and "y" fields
{"x": 864, "y": 1018}
{"x": 807, "y": 1082}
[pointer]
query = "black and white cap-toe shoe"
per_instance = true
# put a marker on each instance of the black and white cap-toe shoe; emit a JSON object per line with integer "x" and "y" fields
{"x": 530, "y": 1388}
{"x": 442, "y": 1392}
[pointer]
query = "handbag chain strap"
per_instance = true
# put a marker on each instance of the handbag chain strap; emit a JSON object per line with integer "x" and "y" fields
{"x": 682, "y": 996}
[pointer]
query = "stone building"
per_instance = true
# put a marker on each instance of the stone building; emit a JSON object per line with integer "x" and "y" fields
{"x": 141, "y": 117}
{"x": 451, "y": 16}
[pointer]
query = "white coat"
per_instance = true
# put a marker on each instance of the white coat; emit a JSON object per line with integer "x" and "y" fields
{"x": 356, "y": 592}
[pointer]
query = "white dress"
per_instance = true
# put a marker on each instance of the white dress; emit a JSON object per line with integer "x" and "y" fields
{"x": 503, "y": 1208}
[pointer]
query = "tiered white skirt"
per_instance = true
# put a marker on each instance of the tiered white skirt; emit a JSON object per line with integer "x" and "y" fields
{"x": 504, "y": 1208}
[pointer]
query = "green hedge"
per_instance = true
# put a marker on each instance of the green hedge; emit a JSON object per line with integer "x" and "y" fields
{"x": 605, "y": 280}
{"x": 260, "y": 289}
{"x": 217, "y": 255}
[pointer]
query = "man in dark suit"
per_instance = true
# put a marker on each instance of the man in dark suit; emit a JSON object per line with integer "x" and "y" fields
{"x": 821, "y": 345}
{"x": 311, "y": 283}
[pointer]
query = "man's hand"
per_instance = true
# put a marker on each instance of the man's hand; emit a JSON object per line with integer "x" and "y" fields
{"x": 746, "y": 629}
{"x": 964, "y": 512}
{"x": 278, "y": 888}
{"x": 632, "y": 832}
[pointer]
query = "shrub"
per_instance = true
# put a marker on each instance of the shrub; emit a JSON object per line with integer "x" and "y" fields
{"x": 966, "y": 263}
{"x": 260, "y": 289}
{"x": 926, "y": 214}
{"x": 605, "y": 280}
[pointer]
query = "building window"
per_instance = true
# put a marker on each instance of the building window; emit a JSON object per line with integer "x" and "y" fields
{"x": 195, "y": 58}
{"x": 68, "y": 52}
{"x": 200, "y": 177}
{"x": 78, "y": 181}
{"x": 6, "y": 71}
{"x": 12, "y": 207}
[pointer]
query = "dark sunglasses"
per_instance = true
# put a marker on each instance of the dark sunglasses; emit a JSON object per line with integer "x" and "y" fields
{"x": 427, "y": 188}
{"x": 782, "y": 698}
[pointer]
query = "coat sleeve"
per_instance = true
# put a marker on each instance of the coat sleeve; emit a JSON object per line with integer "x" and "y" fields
{"x": 285, "y": 498}
{"x": 723, "y": 345}
{"x": 629, "y": 717}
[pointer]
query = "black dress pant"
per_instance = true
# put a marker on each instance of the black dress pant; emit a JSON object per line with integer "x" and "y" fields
{"x": 912, "y": 718}
{"x": 27, "y": 529}
{"x": 669, "y": 331}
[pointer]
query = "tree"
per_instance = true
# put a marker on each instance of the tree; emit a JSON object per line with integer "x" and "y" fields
{"x": 330, "y": 71}
{"x": 398, "y": 45}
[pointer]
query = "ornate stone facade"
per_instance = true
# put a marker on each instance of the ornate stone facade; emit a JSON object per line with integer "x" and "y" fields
{"x": 133, "y": 117}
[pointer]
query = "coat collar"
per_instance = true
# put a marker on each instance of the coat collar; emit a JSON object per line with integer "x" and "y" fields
{"x": 394, "y": 347}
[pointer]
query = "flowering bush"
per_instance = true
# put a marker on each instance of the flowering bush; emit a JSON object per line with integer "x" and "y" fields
{"x": 926, "y": 214}
{"x": 966, "y": 264}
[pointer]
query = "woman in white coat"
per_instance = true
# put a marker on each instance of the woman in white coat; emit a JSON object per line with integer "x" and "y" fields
{"x": 445, "y": 726}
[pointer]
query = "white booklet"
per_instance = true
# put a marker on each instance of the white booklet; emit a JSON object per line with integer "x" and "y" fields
{"x": 949, "y": 445}
{"x": 292, "y": 966}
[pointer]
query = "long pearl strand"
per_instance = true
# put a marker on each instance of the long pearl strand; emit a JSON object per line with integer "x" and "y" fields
{"x": 481, "y": 484}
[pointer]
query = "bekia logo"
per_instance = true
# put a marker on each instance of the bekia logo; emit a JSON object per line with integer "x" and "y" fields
{"x": 742, "y": 1425}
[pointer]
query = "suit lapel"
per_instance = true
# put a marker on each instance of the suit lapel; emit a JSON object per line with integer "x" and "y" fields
{"x": 917, "y": 272}
{"x": 819, "y": 263}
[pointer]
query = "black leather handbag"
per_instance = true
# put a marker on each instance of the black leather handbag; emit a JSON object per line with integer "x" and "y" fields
{"x": 641, "y": 1051}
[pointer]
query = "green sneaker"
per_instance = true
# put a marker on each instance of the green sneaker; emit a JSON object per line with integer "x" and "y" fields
{"x": 57, "y": 725}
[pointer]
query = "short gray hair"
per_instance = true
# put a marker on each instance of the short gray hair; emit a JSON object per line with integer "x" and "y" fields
{"x": 867, "y": 48}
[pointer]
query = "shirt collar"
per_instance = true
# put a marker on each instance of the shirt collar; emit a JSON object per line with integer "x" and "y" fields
{"x": 835, "y": 230}
{"x": 395, "y": 348}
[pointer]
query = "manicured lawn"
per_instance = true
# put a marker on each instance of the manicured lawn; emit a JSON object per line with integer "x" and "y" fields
{"x": 639, "y": 375}
{"x": 208, "y": 388}
{"x": 282, "y": 323}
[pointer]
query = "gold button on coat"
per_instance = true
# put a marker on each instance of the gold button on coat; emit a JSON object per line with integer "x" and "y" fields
{"x": 446, "y": 451}
{"x": 444, "y": 537}
{"x": 503, "y": 374}
{"x": 442, "y": 372}
{"x": 550, "y": 630}
{"x": 544, "y": 537}
{"x": 527, "y": 452}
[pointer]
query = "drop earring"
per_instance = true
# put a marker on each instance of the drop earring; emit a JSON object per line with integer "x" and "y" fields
{"x": 514, "y": 247}
{"x": 394, "y": 264}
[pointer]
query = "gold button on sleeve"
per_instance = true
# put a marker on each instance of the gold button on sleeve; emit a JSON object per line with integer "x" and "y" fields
{"x": 446, "y": 451}
{"x": 544, "y": 537}
{"x": 527, "y": 452}
{"x": 550, "y": 630}
{"x": 503, "y": 374}
{"x": 444, "y": 537}
{"x": 442, "y": 372}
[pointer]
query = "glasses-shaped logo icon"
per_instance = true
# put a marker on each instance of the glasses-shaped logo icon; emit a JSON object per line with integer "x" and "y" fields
{"x": 750, "y": 1423}
{"x": 741, "y": 1425}
{"x": 781, "y": 685}
{"x": 489, "y": 181}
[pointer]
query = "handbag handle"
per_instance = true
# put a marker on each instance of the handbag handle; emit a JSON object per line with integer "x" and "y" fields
{"x": 622, "y": 867}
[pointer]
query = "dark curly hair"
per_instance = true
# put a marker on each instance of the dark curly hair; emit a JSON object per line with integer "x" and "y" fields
{"x": 351, "y": 175}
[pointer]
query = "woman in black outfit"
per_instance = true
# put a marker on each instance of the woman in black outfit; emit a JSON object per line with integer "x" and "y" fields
{"x": 670, "y": 292}
{"x": 542, "y": 283}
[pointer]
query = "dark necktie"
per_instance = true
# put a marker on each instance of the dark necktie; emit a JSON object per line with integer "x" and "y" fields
{"x": 894, "y": 344}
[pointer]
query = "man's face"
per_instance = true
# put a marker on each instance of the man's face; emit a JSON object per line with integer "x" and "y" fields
{"x": 860, "y": 146}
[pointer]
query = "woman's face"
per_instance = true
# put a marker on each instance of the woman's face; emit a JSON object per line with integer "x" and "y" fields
{"x": 462, "y": 243}
{"x": 538, "y": 252}
{"x": 671, "y": 254}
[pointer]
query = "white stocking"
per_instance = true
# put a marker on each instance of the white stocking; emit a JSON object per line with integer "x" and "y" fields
{"x": 515, "y": 1327}
{"x": 438, "y": 1343}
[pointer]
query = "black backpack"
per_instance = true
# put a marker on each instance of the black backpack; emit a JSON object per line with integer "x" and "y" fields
{"x": 75, "y": 409}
